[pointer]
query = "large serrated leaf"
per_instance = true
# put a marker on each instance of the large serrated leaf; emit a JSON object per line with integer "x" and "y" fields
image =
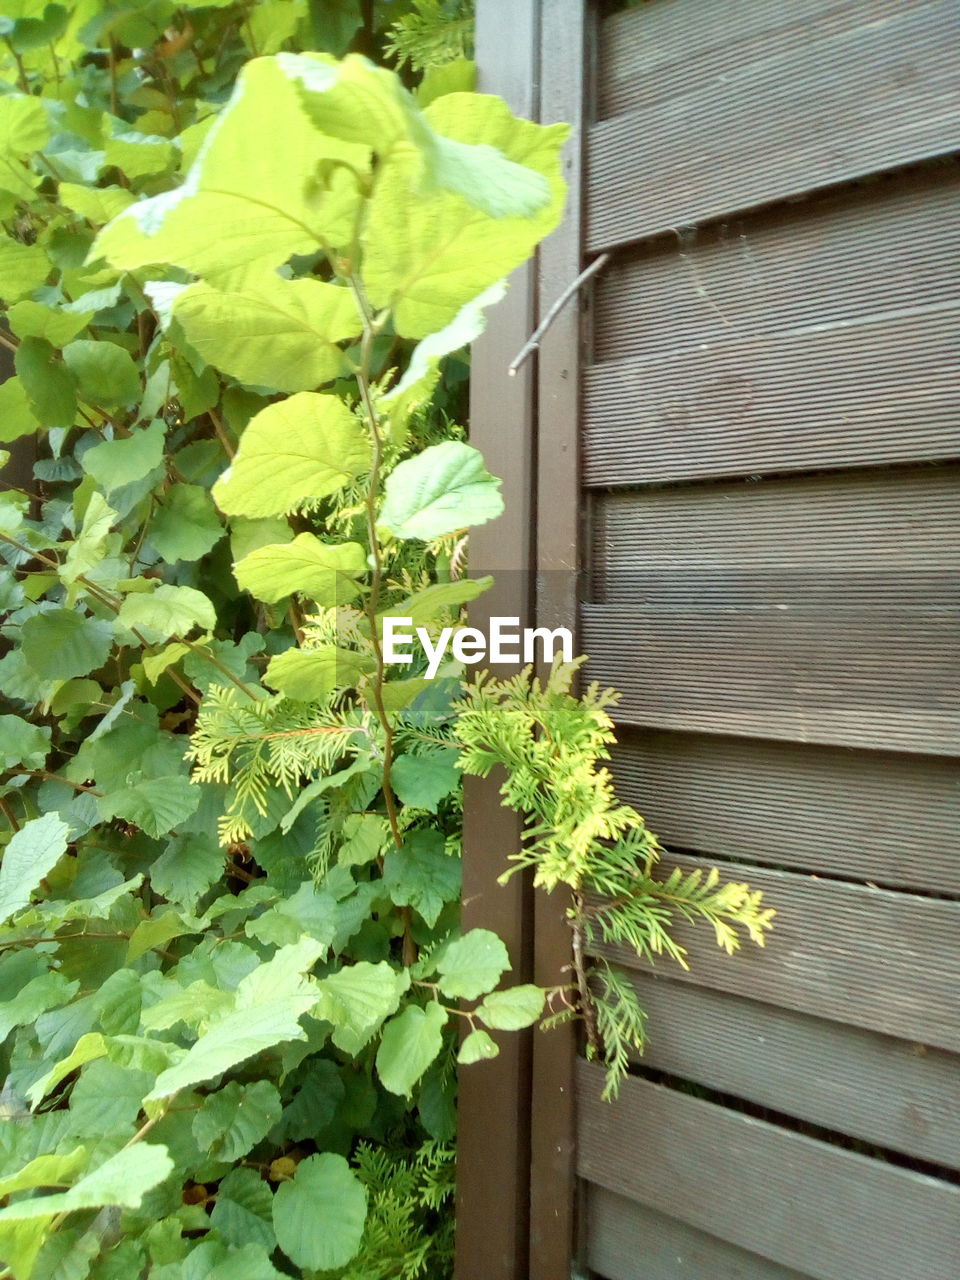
{"x": 422, "y": 874}
{"x": 270, "y": 332}
{"x": 122, "y": 1180}
{"x": 357, "y": 1000}
{"x": 472, "y": 965}
{"x": 32, "y": 853}
{"x": 168, "y": 611}
{"x": 236, "y": 1118}
{"x": 61, "y": 644}
{"x": 410, "y": 1042}
{"x": 444, "y": 488}
{"x": 116, "y": 463}
{"x": 297, "y": 451}
{"x": 324, "y": 571}
{"x": 319, "y": 1217}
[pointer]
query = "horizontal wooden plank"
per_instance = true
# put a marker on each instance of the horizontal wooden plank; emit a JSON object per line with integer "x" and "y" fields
{"x": 874, "y": 94}
{"x": 885, "y": 391}
{"x": 842, "y": 257}
{"x": 880, "y": 536}
{"x": 650, "y": 52}
{"x": 823, "y": 335}
{"x": 865, "y": 815}
{"x": 805, "y": 1204}
{"x": 628, "y": 1241}
{"x": 885, "y": 679}
{"x": 886, "y": 961}
{"x": 852, "y": 1081}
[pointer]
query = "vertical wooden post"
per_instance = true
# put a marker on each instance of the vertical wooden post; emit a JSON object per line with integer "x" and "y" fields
{"x": 494, "y": 1142}
{"x": 552, "y": 1171}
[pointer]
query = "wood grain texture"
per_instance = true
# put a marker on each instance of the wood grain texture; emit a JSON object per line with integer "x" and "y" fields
{"x": 879, "y": 90}
{"x": 872, "y": 1087}
{"x": 565, "y": 36}
{"x": 872, "y": 958}
{"x": 628, "y": 1241}
{"x": 884, "y": 679}
{"x": 863, "y": 815}
{"x": 493, "y": 1164}
{"x": 881, "y": 538}
{"x": 784, "y": 340}
{"x": 804, "y": 1204}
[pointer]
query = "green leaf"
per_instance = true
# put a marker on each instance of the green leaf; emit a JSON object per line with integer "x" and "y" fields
{"x": 61, "y": 644}
{"x": 116, "y": 463}
{"x": 122, "y": 1180}
{"x": 243, "y": 1212}
{"x": 324, "y": 571}
{"x": 472, "y": 965}
{"x": 423, "y": 369}
{"x": 410, "y": 1042}
{"x": 47, "y": 991}
{"x": 236, "y": 1118}
{"x": 476, "y": 1047}
{"x": 185, "y": 525}
{"x": 24, "y": 124}
{"x": 155, "y": 805}
{"x": 359, "y": 102}
{"x": 97, "y": 204}
{"x": 139, "y": 155}
{"x": 269, "y": 1004}
{"x": 106, "y": 374}
{"x": 16, "y": 416}
{"x": 157, "y": 930}
{"x": 423, "y": 781}
{"x": 319, "y": 1217}
{"x": 90, "y": 1046}
{"x": 155, "y": 664}
{"x": 432, "y": 602}
{"x": 23, "y": 743}
{"x": 49, "y": 387}
{"x": 308, "y": 675}
{"x": 422, "y": 874}
{"x": 251, "y": 198}
{"x": 427, "y": 254}
{"x": 458, "y": 76}
{"x": 297, "y": 451}
{"x": 37, "y": 320}
{"x": 356, "y": 1000}
{"x": 442, "y": 489}
{"x": 45, "y": 1171}
{"x": 187, "y": 868}
{"x": 23, "y": 268}
{"x": 168, "y": 611}
{"x": 270, "y": 332}
{"x": 513, "y": 1009}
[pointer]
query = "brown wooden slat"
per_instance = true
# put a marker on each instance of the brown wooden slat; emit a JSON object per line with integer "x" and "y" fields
{"x": 871, "y": 249}
{"x": 628, "y": 1241}
{"x": 493, "y": 1158}
{"x": 869, "y": 1086}
{"x": 650, "y": 52}
{"x": 849, "y": 676}
{"x": 879, "y": 537}
{"x": 565, "y": 34}
{"x": 826, "y": 1212}
{"x": 822, "y": 335}
{"x": 864, "y": 815}
{"x": 867, "y": 97}
{"x": 889, "y": 962}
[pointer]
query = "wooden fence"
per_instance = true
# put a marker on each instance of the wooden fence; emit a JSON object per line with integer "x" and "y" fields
{"x": 736, "y": 468}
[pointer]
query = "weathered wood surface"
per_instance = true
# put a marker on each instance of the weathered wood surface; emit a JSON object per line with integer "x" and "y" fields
{"x": 888, "y": 818}
{"x": 889, "y": 962}
{"x": 628, "y": 1241}
{"x": 890, "y": 1093}
{"x": 878, "y": 88}
{"x": 842, "y": 675}
{"x": 804, "y": 1204}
